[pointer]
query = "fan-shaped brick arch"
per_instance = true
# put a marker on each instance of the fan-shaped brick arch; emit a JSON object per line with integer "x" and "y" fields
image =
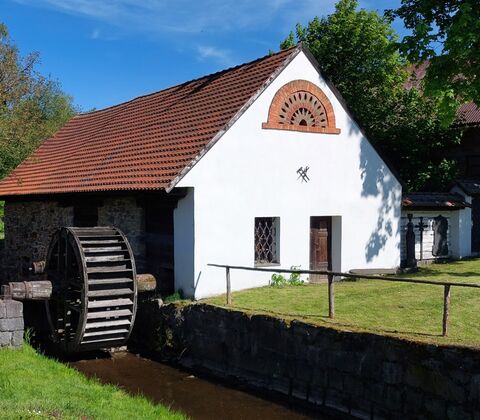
{"x": 301, "y": 106}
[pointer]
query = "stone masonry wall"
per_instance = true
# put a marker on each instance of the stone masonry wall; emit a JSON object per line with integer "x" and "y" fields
{"x": 29, "y": 227}
{"x": 123, "y": 213}
{"x": 358, "y": 374}
{"x": 11, "y": 323}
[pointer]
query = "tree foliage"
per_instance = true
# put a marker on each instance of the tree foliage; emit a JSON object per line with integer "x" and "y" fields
{"x": 357, "y": 50}
{"x": 32, "y": 107}
{"x": 447, "y": 34}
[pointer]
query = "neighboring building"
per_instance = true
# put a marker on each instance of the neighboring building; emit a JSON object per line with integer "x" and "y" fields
{"x": 442, "y": 225}
{"x": 261, "y": 164}
{"x": 467, "y": 155}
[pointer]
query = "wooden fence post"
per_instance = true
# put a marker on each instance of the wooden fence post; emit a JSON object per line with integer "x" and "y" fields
{"x": 446, "y": 309}
{"x": 331, "y": 297}
{"x": 229, "y": 289}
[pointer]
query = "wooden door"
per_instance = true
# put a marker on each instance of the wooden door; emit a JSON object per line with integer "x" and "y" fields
{"x": 320, "y": 246}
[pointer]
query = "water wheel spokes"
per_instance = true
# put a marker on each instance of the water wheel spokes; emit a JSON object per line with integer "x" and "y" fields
{"x": 94, "y": 294}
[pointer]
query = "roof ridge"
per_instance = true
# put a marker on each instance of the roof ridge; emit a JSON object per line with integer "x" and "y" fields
{"x": 207, "y": 76}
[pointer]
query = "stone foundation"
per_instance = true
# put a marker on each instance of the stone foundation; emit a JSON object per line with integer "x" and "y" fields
{"x": 11, "y": 323}
{"x": 359, "y": 374}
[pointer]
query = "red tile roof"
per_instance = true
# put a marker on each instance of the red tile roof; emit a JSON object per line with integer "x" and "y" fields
{"x": 433, "y": 200}
{"x": 468, "y": 114}
{"x": 146, "y": 143}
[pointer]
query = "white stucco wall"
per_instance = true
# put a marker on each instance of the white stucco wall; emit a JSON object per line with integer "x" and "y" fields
{"x": 251, "y": 172}
{"x": 464, "y": 225}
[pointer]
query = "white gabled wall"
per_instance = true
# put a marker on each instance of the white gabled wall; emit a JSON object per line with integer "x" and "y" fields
{"x": 251, "y": 172}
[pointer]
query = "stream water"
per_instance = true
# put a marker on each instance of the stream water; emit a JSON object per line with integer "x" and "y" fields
{"x": 197, "y": 398}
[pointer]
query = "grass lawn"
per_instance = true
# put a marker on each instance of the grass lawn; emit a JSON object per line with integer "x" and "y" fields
{"x": 35, "y": 387}
{"x": 408, "y": 310}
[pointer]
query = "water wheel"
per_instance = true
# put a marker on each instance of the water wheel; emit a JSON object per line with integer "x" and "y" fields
{"x": 94, "y": 292}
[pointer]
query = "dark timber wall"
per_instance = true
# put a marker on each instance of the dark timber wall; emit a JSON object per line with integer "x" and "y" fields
{"x": 360, "y": 374}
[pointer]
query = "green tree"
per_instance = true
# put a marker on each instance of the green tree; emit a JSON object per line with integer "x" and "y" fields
{"x": 357, "y": 50}
{"x": 447, "y": 34}
{"x": 32, "y": 107}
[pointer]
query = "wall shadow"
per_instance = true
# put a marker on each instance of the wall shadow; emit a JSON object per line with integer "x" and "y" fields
{"x": 380, "y": 183}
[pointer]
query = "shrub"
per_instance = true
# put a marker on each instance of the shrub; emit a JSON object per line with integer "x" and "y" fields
{"x": 279, "y": 280}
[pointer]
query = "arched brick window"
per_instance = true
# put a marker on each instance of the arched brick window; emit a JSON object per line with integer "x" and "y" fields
{"x": 301, "y": 106}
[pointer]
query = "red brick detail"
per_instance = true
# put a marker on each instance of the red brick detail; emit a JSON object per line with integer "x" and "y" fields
{"x": 284, "y": 93}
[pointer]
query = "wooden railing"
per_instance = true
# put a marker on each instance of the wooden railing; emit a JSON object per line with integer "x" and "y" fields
{"x": 331, "y": 289}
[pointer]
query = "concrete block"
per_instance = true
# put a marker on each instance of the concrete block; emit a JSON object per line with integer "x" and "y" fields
{"x": 5, "y": 338}
{"x": 361, "y": 409}
{"x": 353, "y": 386}
{"x": 17, "y": 338}
{"x": 11, "y": 324}
{"x": 335, "y": 380}
{"x": 317, "y": 395}
{"x": 456, "y": 412}
{"x": 280, "y": 384}
{"x": 300, "y": 389}
{"x": 14, "y": 309}
{"x": 435, "y": 408}
{"x": 392, "y": 373}
{"x": 393, "y": 398}
{"x": 336, "y": 401}
{"x": 413, "y": 400}
{"x": 374, "y": 391}
{"x": 436, "y": 383}
{"x": 3, "y": 309}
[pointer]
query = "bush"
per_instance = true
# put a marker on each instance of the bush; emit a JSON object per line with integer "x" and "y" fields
{"x": 178, "y": 295}
{"x": 279, "y": 280}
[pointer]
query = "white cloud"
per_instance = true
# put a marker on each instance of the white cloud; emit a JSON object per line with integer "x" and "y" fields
{"x": 210, "y": 16}
{"x": 95, "y": 34}
{"x": 222, "y": 56}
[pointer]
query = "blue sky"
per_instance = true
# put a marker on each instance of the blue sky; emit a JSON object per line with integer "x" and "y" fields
{"x": 105, "y": 52}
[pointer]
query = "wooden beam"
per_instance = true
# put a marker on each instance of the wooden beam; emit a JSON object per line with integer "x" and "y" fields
{"x": 446, "y": 310}
{"x": 349, "y": 275}
{"x": 331, "y": 297}
{"x": 229, "y": 287}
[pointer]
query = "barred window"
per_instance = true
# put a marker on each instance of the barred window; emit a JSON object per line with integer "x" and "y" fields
{"x": 267, "y": 231}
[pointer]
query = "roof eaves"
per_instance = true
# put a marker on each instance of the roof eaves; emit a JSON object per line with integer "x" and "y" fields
{"x": 295, "y": 51}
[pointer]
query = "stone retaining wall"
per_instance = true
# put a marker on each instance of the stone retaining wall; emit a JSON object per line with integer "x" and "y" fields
{"x": 11, "y": 323}
{"x": 359, "y": 374}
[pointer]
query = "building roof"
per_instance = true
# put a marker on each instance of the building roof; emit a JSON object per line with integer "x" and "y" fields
{"x": 146, "y": 143}
{"x": 433, "y": 200}
{"x": 468, "y": 114}
{"x": 469, "y": 186}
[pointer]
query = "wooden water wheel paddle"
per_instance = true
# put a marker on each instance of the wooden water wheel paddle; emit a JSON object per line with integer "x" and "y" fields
{"x": 94, "y": 292}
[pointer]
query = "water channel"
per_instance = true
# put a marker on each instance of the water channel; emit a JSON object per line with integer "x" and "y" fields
{"x": 195, "y": 397}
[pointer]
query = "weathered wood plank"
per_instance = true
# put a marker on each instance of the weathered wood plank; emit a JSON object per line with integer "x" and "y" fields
{"x": 446, "y": 310}
{"x": 229, "y": 287}
{"x": 109, "y": 314}
{"x": 109, "y": 292}
{"x": 109, "y": 303}
{"x": 348, "y": 275}
{"x": 105, "y": 333}
{"x": 331, "y": 297}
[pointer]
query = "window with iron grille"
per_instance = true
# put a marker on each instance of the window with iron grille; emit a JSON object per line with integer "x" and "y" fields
{"x": 267, "y": 240}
